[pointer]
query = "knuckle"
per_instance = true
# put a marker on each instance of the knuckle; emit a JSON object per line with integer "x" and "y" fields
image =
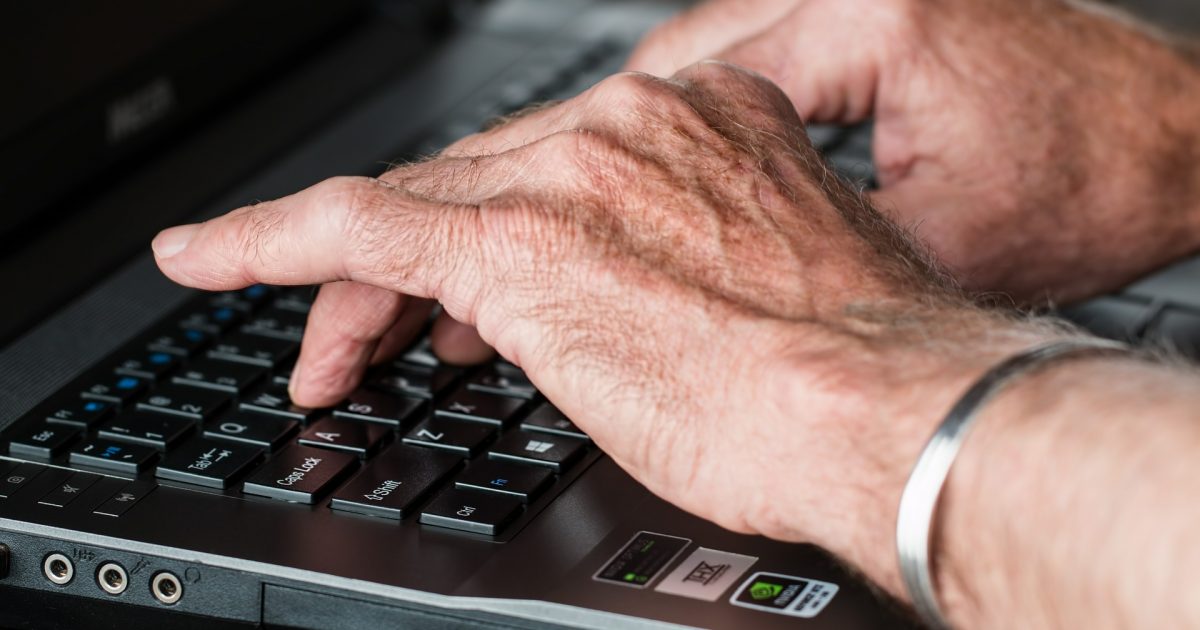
{"x": 631, "y": 91}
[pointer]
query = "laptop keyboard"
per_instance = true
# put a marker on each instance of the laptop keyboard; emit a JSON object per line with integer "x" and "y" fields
{"x": 201, "y": 402}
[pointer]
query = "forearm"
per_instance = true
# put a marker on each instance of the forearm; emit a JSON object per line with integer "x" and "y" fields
{"x": 1073, "y": 504}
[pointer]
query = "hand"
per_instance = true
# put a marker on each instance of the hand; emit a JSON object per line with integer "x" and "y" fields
{"x": 1039, "y": 149}
{"x": 672, "y": 265}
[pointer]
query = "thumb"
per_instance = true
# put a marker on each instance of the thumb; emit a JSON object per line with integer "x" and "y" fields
{"x": 701, "y": 32}
{"x": 824, "y": 59}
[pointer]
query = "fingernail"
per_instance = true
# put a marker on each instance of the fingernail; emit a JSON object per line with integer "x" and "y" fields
{"x": 171, "y": 241}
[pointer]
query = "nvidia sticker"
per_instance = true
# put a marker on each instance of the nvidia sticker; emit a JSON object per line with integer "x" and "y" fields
{"x": 784, "y": 594}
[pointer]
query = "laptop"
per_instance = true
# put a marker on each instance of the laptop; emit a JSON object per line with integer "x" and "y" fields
{"x": 153, "y": 472}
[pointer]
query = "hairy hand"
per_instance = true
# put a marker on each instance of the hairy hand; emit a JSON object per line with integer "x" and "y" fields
{"x": 1039, "y": 149}
{"x": 673, "y": 266}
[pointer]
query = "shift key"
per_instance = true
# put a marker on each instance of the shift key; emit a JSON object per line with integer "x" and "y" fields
{"x": 299, "y": 474}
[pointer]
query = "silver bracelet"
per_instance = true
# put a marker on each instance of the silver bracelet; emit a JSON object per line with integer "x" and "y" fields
{"x": 918, "y": 503}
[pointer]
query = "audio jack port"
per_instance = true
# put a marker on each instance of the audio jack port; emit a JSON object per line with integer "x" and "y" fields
{"x": 166, "y": 588}
{"x": 112, "y": 578}
{"x": 58, "y": 569}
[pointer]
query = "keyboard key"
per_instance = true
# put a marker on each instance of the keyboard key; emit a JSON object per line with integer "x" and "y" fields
{"x": 42, "y": 441}
{"x": 299, "y": 474}
{"x": 369, "y": 406}
{"x": 1111, "y": 316}
{"x": 421, "y": 353}
{"x": 549, "y": 419}
{"x": 246, "y": 301}
{"x": 393, "y": 483}
{"x": 276, "y": 323}
{"x": 152, "y": 429}
{"x": 410, "y": 379}
{"x": 510, "y": 382}
{"x": 127, "y": 497}
{"x": 223, "y": 376}
{"x": 254, "y": 349}
{"x": 17, "y": 478}
{"x": 69, "y": 490}
{"x": 358, "y": 438}
{"x": 209, "y": 463}
{"x": 212, "y": 320}
{"x": 297, "y": 299}
{"x": 519, "y": 482}
{"x": 274, "y": 399}
{"x": 151, "y": 365}
{"x": 189, "y": 402}
{"x": 263, "y": 431}
{"x": 462, "y": 438}
{"x": 183, "y": 343}
{"x": 81, "y": 413}
{"x": 539, "y": 449}
{"x": 476, "y": 512}
{"x": 109, "y": 455}
{"x": 1177, "y": 329}
{"x": 478, "y": 406}
{"x": 119, "y": 389}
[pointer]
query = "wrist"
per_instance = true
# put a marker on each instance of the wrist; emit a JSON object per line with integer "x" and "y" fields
{"x": 877, "y": 402}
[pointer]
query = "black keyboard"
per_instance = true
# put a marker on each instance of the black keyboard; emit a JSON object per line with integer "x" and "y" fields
{"x": 200, "y": 401}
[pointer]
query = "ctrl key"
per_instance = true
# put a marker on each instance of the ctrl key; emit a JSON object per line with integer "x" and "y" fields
{"x": 299, "y": 474}
{"x": 474, "y": 512}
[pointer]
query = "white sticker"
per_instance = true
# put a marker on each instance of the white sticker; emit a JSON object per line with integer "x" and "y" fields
{"x": 706, "y": 574}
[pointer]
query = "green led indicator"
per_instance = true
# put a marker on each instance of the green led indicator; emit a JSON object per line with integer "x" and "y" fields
{"x": 630, "y": 577}
{"x": 765, "y": 590}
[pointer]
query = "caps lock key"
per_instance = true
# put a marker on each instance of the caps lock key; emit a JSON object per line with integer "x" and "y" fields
{"x": 299, "y": 474}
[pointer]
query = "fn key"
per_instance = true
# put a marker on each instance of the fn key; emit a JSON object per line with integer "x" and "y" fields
{"x": 471, "y": 512}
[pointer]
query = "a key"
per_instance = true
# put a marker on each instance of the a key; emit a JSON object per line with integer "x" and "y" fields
{"x": 280, "y": 324}
{"x": 177, "y": 341}
{"x": 219, "y": 375}
{"x": 410, "y": 379}
{"x": 254, "y": 349}
{"x": 519, "y": 482}
{"x": 210, "y": 463}
{"x": 462, "y": 438}
{"x": 42, "y": 440}
{"x": 80, "y": 413}
{"x": 152, "y": 429}
{"x": 274, "y": 399}
{"x": 150, "y": 365}
{"x": 18, "y": 478}
{"x": 125, "y": 498}
{"x": 549, "y": 419}
{"x": 214, "y": 320}
{"x": 69, "y": 490}
{"x": 119, "y": 389}
{"x": 189, "y": 402}
{"x": 393, "y": 483}
{"x": 299, "y": 474}
{"x": 263, "y": 431}
{"x": 511, "y": 382}
{"x": 348, "y": 436}
{"x": 466, "y": 404}
{"x": 245, "y": 301}
{"x": 476, "y": 512}
{"x": 116, "y": 456}
{"x": 371, "y": 406}
{"x": 539, "y": 449}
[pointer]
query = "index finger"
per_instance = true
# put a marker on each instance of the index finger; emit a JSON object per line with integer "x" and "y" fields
{"x": 345, "y": 228}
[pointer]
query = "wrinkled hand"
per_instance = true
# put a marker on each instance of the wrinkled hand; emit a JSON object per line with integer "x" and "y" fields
{"x": 1038, "y": 149}
{"x": 673, "y": 266}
